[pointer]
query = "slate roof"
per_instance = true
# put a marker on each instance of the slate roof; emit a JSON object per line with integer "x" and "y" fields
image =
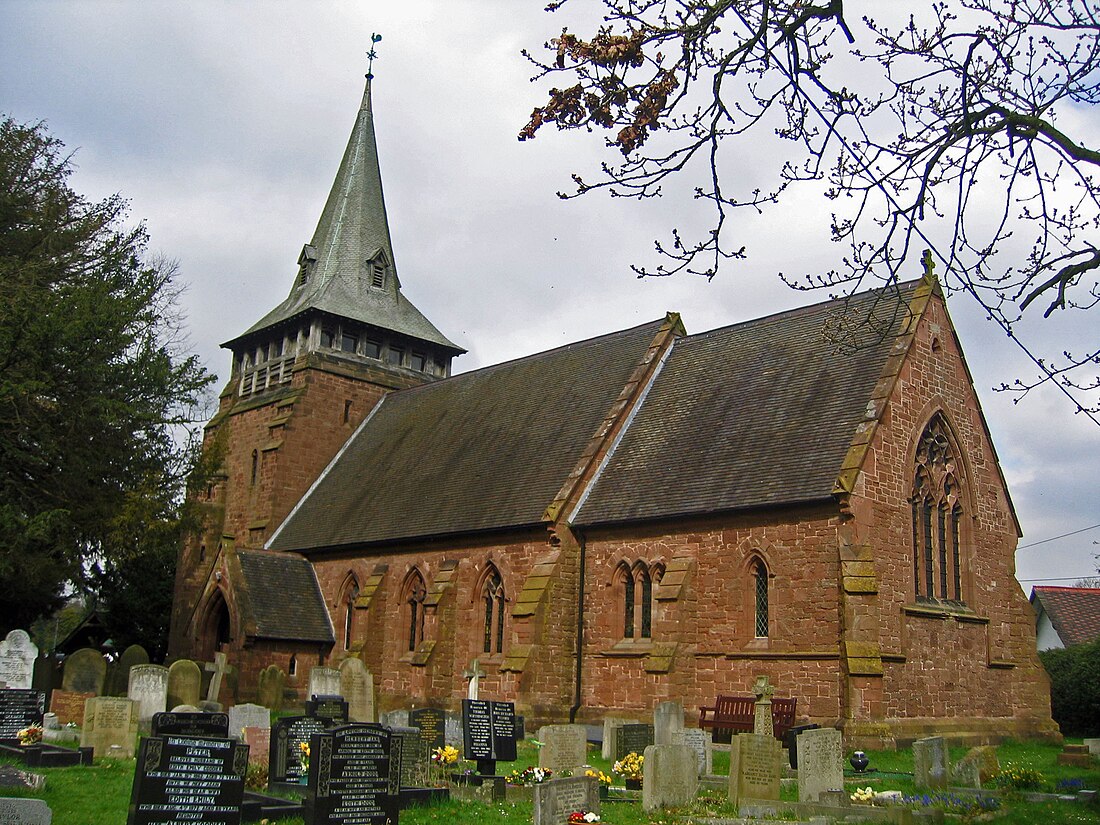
{"x": 480, "y": 451}
{"x": 1074, "y": 611}
{"x": 282, "y": 596}
{"x": 757, "y": 414}
{"x": 352, "y": 229}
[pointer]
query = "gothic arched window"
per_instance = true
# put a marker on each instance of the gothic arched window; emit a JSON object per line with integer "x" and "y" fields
{"x": 349, "y": 595}
{"x": 637, "y": 590}
{"x": 492, "y": 596}
{"x": 413, "y": 599}
{"x": 760, "y": 587}
{"x": 936, "y": 506}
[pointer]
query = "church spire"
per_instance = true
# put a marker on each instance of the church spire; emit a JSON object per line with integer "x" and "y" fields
{"x": 348, "y": 269}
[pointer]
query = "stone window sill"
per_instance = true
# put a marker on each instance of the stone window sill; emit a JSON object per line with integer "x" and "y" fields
{"x": 628, "y": 648}
{"x": 944, "y": 610}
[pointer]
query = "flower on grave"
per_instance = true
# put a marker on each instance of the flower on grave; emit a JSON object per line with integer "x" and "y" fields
{"x": 303, "y": 755}
{"x": 31, "y": 735}
{"x": 72, "y": 725}
{"x": 447, "y": 755}
{"x": 582, "y": 817}
{"x": 630, "y": 766}
{"x": 529, "y": 776}
{"x": 599, "y": 776}
{"x": 865, "y": 795}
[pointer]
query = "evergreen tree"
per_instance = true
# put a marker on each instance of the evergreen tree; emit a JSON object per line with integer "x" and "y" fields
{"x": 96, "y": 384}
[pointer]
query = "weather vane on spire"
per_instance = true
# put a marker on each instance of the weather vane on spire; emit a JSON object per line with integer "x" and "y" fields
{"x": 374, "y": 38}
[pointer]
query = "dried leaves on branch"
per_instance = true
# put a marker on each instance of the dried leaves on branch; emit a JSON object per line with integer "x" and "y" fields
{"x": 962, "y": 128}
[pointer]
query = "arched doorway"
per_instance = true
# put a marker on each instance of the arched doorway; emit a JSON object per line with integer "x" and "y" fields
{"x": 215, "y": 629}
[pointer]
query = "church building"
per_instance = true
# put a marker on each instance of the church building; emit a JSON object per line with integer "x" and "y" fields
{"x": 641, "y": 516}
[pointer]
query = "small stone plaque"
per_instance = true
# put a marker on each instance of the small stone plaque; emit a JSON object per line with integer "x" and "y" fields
{"x": 19, "y": 811}
{"x": 633, "y": 739}
{"x": 557, "y": 798}
{"x": 215, "y": 725}
{"x": 19, "y": 709}
{"x": 353, "y": 777}
{"x": 188, "y": 779}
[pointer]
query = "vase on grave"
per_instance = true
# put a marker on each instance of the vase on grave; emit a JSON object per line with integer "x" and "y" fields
{"x": 859, "y": 761}
{"x": 633, "y": 784}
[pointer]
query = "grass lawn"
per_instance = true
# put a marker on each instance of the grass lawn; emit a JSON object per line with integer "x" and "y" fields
{"x": 99, "y": 794}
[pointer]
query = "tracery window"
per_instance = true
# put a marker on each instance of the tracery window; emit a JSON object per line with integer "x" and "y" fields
{"x": 760, "y": 587}
{"x": 413, "y": 599}
{"x": 937, "y": 511}
{"x": 493, "y": 599}
{"x": 637, "y": 589}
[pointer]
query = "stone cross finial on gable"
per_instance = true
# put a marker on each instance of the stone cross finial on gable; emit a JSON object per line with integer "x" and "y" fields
{"x": 474, "y": 674}
{"x": 218, "y": 668}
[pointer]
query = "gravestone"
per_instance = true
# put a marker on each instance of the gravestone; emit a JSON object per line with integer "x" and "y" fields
{"x": 118, "y": 674}
{"x": 489, "y": 733}
{"x": 453, "y": 732}
{"x": 247, "y": 715}
{"x": 611, "y": 734}
{"x": 413, "y": 770}
{"x": 187, "y": 779}
{"x": 763, "y": 722}
{"x": 18, "y": 811}
{"x": 357, "y": 688}
{"x": 985, "y": 758}
{"x": 69, "y": 706}
{"x": 670, "y": 777}
{"x": 218, "y": 669}
{"x": 110, "y": 726}
{"x": 149, "y": 688}
{"x": 668, "y": 717}
{"x": 192, "y": 724}
{"x": 259, "y": 744}
{"x": 755, "y": 767}
{"x": 353, "y": 777}
{"x": 17, "y": 655}
{"x": 820, "y": 763}
{"x": 272, "y": 684}
{"x": 930, "y": 763}
{"x": 431, "y": 722}
{"x": 563, "y": 747}
{"x": 184, "y": 682}
{"x": 633, "y": 739}
{"x": 84, "y": 671}
{"x": 699, "y": 741}
{"x": 324, "y": 681}
{"x": 19, "y": 708}
{"x": 333, "y": 709}
{"x": 284, "y": 758}
{"x": 557, "y": 798}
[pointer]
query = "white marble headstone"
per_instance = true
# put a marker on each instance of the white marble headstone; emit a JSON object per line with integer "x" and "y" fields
{"x": 17, "y": 655}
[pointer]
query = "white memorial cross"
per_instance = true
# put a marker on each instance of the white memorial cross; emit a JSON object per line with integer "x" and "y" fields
{"x": 474, "y": 674}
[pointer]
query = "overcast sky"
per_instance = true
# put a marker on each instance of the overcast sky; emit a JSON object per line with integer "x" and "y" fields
{"x": 223, "y": 124}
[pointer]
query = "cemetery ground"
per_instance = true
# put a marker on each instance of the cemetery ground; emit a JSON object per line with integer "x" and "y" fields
{"x": 99, "y": 794}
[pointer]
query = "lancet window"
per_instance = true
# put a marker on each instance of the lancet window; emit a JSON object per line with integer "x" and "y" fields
{"x": 636, "y": 583}
{"x": 493, "y": 600}
{"x": 937, "y": 512}
{"x": 413, "y": 599}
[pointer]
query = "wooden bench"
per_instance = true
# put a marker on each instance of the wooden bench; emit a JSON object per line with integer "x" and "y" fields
{"x": 737, "y": 714}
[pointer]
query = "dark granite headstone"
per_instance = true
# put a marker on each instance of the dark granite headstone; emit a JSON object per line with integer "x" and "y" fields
{"x": 633, "y": 739}
{"x": 489, "y": 733}
{"x": 521, "y": 729}
{"x": 353, "y": 777}
{"x": 331, "y": 708}
{"x": 432, "y": 723}
{"x": 214, "y": 725}
{"x": 287, "y": 735}
{"x": 19, "y": 709}
{"x": 188, "y": 779}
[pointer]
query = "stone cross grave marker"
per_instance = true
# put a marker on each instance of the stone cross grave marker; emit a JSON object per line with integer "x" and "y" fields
{"x": 930, "y": 763}
{"x": 84, "y": 671}
{"x": 110, "y": 726}
{"x": 217, "y": 670}
{"x": 820, "y": 763}
{"x": 148, "y": 687}
{"x": 473, "y": 674}
{"x": 357, "y": 688}
{"x": 668, "y": 717}
{"x": 17, "y": 655}
{"x": 755, "y": 762}
{"x": 670, "y": 777}
{"x": 557, "y": 798}
{"x": 762, "y": 722}
{"x": 25, "y": 811}
{"x": 184, "y": 683}
{"x": 563, "y": 747}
